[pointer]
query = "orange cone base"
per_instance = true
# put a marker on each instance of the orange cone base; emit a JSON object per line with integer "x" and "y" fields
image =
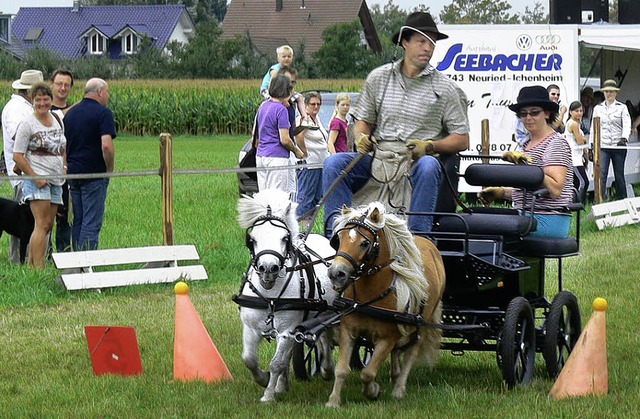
{"x": 586, "y": 371}
{"x": 195, "y": 356}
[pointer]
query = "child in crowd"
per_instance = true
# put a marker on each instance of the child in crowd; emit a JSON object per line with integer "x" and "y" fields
{"x": 297, "y": 100}
{"x": 285, "y": 59}
{"x": 338, "y": 125}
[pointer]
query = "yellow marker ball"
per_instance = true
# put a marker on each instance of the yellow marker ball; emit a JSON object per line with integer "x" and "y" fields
{"x": 599, "y": 304}
{"x": 181, "y": 288}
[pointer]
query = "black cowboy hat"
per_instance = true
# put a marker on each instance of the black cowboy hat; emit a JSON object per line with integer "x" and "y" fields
{"x": 419, "y": 22}
{"x": 534, "y": 96}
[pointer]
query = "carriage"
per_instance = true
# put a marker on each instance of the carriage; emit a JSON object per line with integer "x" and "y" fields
{"x": 495, "y": 298}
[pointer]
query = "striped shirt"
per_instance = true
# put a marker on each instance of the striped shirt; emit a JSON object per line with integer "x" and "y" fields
{"x": 429, "y": 106}
{"x": 552, "y": 151}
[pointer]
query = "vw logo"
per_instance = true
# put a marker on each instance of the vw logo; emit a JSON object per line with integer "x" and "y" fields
{"x": 524, "y": 42}
{"x": 548, "y": 39}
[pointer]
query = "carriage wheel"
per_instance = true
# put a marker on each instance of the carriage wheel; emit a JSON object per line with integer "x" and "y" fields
{"x": 562, "y": 330}
{"x": 361, "y": 355}
{"x": 307, "y": 358}
{"x": 517, "y": 343}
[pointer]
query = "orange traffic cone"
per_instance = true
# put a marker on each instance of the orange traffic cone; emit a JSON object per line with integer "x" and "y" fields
{"x": 195, "y": 356}
{"x": 586, "y": 369}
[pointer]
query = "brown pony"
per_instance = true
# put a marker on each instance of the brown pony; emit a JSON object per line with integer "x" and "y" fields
{"x": 382, "y": 267}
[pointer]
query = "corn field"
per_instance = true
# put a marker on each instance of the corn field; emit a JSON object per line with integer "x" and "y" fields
{"x": 193, "y": 107}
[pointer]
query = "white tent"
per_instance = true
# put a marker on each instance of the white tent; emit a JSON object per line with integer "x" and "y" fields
{"x": 620, "y": 45}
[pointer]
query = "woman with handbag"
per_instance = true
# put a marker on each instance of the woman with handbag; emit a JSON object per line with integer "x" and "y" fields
{"x": 314, "y": 143}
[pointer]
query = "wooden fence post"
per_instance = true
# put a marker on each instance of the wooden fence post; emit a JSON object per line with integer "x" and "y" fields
{"x": 485, "y": 139}
{"x": 597, "y": 163}
{"x": 166, "y": 175}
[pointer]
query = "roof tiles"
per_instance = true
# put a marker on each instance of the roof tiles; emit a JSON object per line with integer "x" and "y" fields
{"x": 63, "y": 27}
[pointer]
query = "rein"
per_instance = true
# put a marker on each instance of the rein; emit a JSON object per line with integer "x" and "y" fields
{"x": 278, "y": 303}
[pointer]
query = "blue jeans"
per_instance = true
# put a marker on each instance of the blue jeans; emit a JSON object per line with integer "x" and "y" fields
{"x": 63, "y": 228}
{"x": 617, "y": 157}
{"x": 425, "y": 177}
{"x": 88, "y": 197}
{"x": 309, "y": 189}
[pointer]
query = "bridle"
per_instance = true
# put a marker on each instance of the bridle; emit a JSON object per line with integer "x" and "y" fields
{"x": 367, "y": 266}
{"x": 276, "y": 222}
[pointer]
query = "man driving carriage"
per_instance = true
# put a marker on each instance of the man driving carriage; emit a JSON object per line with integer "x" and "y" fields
{"x": 407, "y": 114}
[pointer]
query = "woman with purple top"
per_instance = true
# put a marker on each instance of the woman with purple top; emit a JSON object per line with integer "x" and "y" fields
{"x": 274, "y": 141}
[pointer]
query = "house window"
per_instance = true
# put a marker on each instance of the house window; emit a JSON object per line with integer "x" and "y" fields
{"x": 4, "y": 28}
{"x": 130, "y": 43}
{"x": 97, "y": 44}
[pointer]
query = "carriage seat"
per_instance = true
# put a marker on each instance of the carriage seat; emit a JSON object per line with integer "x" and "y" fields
{"x": 494, "y": 220}
{"x": 549, "y": 247}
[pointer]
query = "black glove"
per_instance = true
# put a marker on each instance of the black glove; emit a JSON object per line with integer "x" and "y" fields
{"x": 622, "y": 142}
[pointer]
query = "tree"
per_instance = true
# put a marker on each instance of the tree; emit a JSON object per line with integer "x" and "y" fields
{"x": 343, "y": 53}
{"x": 205, "y": 56}
{"x": 478, "y": 11}
{"x": 387, "y": 20}
{"x": 537, "y": 15}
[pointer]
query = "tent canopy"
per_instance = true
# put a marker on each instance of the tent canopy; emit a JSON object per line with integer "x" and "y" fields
{"x": 612, "y": 37}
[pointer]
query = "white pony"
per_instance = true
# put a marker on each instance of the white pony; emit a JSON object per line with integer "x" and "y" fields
{"x": 269, "y": 287}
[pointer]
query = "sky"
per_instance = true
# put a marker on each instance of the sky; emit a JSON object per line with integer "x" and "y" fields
{"x": 517, "y": 6}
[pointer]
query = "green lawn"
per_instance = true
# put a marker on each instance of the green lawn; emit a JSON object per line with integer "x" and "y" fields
{"x": 46, "y": 370}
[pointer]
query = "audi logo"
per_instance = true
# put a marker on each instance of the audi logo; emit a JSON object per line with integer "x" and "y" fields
{"x": 524, "y": 42}
{"x": 548, "y": 39}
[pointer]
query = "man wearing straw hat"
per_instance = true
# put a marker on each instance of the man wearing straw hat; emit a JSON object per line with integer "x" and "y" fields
{"x": 413, "y": 113}
{"x": 17, "y": 109}
{"x": 615, "y": 128}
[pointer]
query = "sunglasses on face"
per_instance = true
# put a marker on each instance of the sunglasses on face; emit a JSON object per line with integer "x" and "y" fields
{"x": 533, "y": 113}
{"x": 314, "y": 104}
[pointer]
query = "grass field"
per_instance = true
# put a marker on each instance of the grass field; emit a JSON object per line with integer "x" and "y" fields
{"x": 46, "y": 369}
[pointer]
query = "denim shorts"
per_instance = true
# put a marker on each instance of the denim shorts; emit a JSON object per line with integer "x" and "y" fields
{"x": 31, "y": 192}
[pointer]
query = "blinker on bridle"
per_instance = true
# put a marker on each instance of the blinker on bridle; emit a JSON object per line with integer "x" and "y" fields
{"x": 276, "y": 222}
{"x": 372, "y": 252}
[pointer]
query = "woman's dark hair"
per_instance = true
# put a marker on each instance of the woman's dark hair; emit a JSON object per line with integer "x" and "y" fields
{"x": 574, "y": 105}
{"x": 40, "y": 88}
{"x": 280, "y": 87}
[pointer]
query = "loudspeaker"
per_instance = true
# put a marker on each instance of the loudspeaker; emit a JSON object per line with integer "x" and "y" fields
{"x": 565, "y": 11}
{"x": 598, "y": 10}
{"x": 628, "y": 11}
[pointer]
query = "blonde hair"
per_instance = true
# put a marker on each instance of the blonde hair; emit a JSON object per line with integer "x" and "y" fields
{"x": 339, "y": 98}
{"x": 284, "y": 48}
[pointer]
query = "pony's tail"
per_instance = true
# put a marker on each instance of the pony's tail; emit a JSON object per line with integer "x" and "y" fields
{"x": 432, "y": 336}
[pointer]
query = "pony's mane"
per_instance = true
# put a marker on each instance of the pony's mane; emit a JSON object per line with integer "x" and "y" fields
{"x": 407, "y": 264}
{"x": 251, "y": 208}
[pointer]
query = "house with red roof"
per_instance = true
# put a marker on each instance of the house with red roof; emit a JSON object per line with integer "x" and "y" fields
{"x": 272, "y": 23}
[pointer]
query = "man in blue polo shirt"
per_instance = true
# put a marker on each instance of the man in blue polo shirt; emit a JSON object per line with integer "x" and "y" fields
{"x": 90, "y": 130}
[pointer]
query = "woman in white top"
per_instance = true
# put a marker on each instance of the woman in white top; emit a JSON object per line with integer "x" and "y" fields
{"x": 575, "y": 137}
{"x": 313, "y": 141}
{"x": 615, "y": 128}
{"x": 40, "y": 149}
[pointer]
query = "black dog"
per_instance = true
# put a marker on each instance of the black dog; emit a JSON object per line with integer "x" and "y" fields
{"x": 18, "y": 221}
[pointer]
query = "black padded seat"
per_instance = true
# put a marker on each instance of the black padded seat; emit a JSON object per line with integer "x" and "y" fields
{"x": 548, "y": 247}
{"x": 518, "y": 176}
{"x": 492, "y": 223}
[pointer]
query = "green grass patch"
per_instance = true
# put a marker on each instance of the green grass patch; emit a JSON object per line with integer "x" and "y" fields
{"x": 46, "y": 370}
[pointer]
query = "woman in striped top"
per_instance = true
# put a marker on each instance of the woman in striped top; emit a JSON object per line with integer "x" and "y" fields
{"x": 548, "y": 149}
